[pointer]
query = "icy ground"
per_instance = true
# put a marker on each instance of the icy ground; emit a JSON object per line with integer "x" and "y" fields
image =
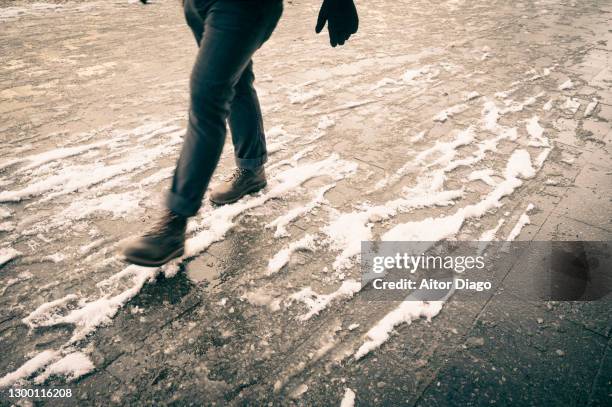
{"x": 440, "y": 120}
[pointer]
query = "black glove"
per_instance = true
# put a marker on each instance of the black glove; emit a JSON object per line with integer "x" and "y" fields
{"x": 143, "y": 1}
{"x": 342, "y": 20}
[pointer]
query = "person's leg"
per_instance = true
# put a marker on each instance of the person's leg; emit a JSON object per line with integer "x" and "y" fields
{"x": 194, "y": 20}
{"x": 233, "y": 31}
{"x": 246, "y": 124}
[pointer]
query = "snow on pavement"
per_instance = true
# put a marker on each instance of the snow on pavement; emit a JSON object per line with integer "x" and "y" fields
{"x": 73, "y": 196}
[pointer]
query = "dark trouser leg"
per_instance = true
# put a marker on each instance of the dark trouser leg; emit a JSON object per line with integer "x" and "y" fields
{"x": 246, "y": 123}
{"x": 232, "y": 32}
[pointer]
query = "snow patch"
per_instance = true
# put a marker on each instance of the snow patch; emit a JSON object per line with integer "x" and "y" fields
{"x": 489, "y": 235}
{"x": 8, "y": 254}
{"x": 566, "y": 85}
{"x": 262, "y": 299}
{"x": 71, "y": 366}
{"x": 571, "y": 105}
{"x": 536, "y": 133}
{"x": 588, "y": 112}
{"x": 435, "y": 229}
{"x": 406, "y": 312}
{"x": 548, "y": 105}
{"x": 281, "y": 258}
{"x": 300, "y": 97}
{"x": 29, "y": 368}
{"x": 318, "y": 302}
{"x": 444, "y": 115}
{"x": 283, "y": 221}
{"x": 349, "y": 398}
{"x": 47, "y": 310}
{"x": 484, "y": 176}
{"x": 93, "y": 314}
{"x": 520, "y": 224}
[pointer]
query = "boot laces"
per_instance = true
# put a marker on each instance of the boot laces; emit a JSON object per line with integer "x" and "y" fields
{"x": 237, "y": 174}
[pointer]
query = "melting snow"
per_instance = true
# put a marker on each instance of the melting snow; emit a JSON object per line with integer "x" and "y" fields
{"x": 349, "y": 398}
{"x": 303, "y": 97}
{"x": 484, "y": 176}
{"x": 572, "y": 105}
{"x": 536, "y": 132}
{"x": 71, "y": 366}
{"x": 220, "y": 221}
{"x": 283, "y": 221}
{"x": 318, "y": 302}
{"x": 260, "y": 298}
{"x": 29, "y": 368}
{"x": 406, "y": 312}
{"x": 548, "y": 105}
{"x": 8, "y": 254}
{"x": 520, "y": 224}
{"x": 591, "y": 108}
{"x": 282, "y": 257}
{"x": 489, "y": 235}
{"x": 434, "y": 229}
{"x": 566, "y": 85}
{"x": 450, "y": 112}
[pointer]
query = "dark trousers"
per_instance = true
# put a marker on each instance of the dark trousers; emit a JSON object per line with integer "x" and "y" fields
{"x": 228, "y": 33}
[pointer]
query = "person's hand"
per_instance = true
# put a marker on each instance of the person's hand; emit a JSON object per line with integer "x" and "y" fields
{"x": 341, "y": 18}
{"x": 143, "y": 1}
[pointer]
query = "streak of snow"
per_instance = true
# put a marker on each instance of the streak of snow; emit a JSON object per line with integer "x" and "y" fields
{"x": 571, "y": 104}
{"x": 283, "y": 221}
{"x": 318, "y": 302}
{"x": 262, "y": 299}
{"x": 536, "y": 133}
{"x": 93, "y": 314}
{"x": 281, "y": 258}
{"x": 484, "y": 176}
{"x": 406, "y": 312}
{"x": 7, "y": 226}
{"x": 71, "y": 178}
{"x": 298, "y": 97}
{"x": 489, "y": 235}
{"x": 472, "y": 95}
{"x": 444, "y": 115}
{"x": 446, "y": 149}
{"x": 71, "y": 366}
{"x": 349, "y": 398}
{"x": 8, "y": 254}
{"x": 435, "y": 229}
{"x": 566, "y": 85}
{"x": 30, "y": 367}
{"x": 47, "y": 311}
{"x": 4, "y": 213}
{"x": 520, "y": 224}
{"x": 519, "y": 107}
{"x": 588, "y": 112}
{"x": 347, "y": 230}
{"x": 548, "y": 105}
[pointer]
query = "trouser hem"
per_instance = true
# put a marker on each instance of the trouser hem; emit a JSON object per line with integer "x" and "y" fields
{"x": 251, "y": 163}
{"x": 181, "y": 206}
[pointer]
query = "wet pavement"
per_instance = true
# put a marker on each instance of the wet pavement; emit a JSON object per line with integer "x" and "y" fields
{"x": 423, "y": 114}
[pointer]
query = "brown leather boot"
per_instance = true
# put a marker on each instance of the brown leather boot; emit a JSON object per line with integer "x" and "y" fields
{"x": 239, "y": 184}
{"x": 162, "y": 243}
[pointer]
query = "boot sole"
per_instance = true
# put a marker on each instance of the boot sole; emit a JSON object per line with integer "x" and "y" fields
{"x": 148, "y": 263}
{"x": 252, "y": 190}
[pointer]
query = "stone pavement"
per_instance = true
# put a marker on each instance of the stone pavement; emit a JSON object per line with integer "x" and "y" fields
{"x": 92, "y": 106}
